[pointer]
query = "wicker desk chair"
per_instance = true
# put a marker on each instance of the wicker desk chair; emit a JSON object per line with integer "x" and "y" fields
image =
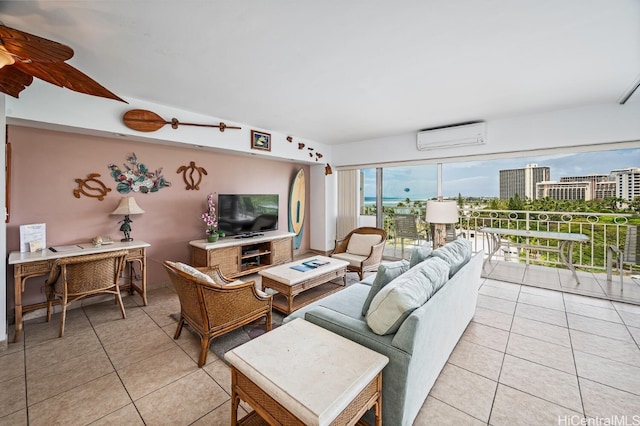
{"x": 77, "y": 277}
{"x": 361, "y": 261}
{"x": 215, "y": 305}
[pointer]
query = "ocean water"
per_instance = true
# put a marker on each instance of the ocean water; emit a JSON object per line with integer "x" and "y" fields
{"x": 391, "y": 201}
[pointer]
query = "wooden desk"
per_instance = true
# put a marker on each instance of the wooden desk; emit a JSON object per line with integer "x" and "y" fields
{"x": 565, "y": 243}
{"x": 28, "y": 265}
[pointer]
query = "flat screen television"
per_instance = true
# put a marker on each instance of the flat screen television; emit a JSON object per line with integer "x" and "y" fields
{"x": 247, "y": 214}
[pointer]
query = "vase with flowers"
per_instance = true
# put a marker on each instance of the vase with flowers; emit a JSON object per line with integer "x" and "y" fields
{"x": 211, "y": 220}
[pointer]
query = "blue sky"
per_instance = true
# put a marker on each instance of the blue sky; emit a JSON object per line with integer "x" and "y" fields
{"x": 481, "y": 178}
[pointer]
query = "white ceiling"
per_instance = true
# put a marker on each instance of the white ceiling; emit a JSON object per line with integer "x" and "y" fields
{"x": 337, "y": 71}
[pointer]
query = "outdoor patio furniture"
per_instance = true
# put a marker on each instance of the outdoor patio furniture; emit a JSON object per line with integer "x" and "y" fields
{"x": 630, "y": 255}
{"x": 405, "y": 227}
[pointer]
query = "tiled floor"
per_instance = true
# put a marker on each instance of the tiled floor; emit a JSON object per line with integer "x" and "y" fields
{"x": 591, "y": 284}
{"x": 530, "y": 356}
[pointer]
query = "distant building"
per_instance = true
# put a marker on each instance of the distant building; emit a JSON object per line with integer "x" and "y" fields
{"x": 533, "y": 182}
{"x": 605, "y": 189}
{"x": 627, "y": 182}
{"x": 621, "y": 183}
{"x": 565, "y": 190}
{"x": 594, "y": 179}
{"x": 589, "y": 187}
{"x": 522, "y": 181}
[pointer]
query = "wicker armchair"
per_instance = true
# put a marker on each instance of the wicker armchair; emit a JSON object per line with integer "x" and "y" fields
{"x": 212, "y": 305}
{"x": 77, "y": 277}
{"x": 363, "y": 252}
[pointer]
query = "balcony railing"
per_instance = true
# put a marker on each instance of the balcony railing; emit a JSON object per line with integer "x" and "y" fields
{"x": 603, "y": 230}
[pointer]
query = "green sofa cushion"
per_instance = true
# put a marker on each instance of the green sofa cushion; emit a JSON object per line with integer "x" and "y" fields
{"x": 386, "y": 273}
{"x": 395, "y": 301}
{"x": 456, "y": 253}
{"x": 419, "y": 255}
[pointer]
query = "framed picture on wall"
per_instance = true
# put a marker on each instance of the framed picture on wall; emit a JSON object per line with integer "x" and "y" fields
{"x": 260, "y": 140}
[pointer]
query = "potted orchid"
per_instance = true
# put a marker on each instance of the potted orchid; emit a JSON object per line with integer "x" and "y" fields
{"x": 211, "y": 220}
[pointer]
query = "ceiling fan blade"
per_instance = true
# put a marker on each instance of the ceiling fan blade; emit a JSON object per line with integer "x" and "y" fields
{"x": 143, "y": 120}
{"x": 13, "y": 81}
{"x": 28, "y": 46}
{"x": 64, "y": 75}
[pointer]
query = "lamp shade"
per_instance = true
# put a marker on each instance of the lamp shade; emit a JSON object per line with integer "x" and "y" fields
{"x": 128, "y": 206}
{"x": 442, "y": 211}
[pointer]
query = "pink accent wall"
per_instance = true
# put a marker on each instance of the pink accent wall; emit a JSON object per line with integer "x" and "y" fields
{"x": 45, "y": 165}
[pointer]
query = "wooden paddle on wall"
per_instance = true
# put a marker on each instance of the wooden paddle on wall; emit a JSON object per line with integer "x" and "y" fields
{"x": 148, "y": 121}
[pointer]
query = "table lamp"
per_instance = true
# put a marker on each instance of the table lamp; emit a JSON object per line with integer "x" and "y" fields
{"x": 127, "y": 207}
{"x": 439, "y": 214}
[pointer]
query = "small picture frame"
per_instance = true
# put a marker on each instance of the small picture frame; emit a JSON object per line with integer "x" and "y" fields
{"x": 260, "y": 140}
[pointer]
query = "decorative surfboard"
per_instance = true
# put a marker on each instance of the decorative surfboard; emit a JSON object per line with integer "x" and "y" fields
{"x": 296, "y": 207}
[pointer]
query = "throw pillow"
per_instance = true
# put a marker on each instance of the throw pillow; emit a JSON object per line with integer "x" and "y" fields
{"x": 188, "y": 269}
{"x": 456, "y": 253}
{"x": 360, "y": 244}
{"x": 395, "y": 302}
{"x": 419, "y": 255}
{"x": 387, "y": 272}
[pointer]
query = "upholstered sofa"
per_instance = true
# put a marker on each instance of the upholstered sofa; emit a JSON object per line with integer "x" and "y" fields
{"x": 387, "y": 312}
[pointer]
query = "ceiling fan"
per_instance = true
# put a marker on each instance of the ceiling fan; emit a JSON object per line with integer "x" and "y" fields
{"x": 24, "y": 56}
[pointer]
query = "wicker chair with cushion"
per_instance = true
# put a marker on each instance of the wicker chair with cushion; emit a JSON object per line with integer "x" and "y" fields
{"x": 212, "y": 304}
{"x": 362, "y": 248}
{"x": 77, "y": 277}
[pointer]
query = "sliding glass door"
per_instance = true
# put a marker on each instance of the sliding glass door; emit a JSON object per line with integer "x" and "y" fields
{"x": 387, "y": 192}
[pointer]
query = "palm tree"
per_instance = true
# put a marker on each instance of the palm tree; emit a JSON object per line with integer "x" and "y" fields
{"x": 614, "y": 202}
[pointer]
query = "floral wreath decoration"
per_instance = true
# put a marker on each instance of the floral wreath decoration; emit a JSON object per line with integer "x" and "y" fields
{"x": 137, "y": 177}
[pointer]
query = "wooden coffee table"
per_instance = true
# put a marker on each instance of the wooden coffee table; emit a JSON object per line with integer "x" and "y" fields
{"x": 299, "y": 288}
{"x": 303, "y": 374}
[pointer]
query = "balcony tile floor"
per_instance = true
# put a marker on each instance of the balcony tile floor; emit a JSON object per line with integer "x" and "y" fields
{"x": 530, "y": 356}
{"x": 591, "y": 284}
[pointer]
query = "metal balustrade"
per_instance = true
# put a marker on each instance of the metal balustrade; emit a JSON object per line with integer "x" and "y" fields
{"x": 603, "y": 230}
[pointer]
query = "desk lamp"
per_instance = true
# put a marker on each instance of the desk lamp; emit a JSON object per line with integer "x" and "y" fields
{"x": 127, "y": 207}
{"x": 439, "y": 213}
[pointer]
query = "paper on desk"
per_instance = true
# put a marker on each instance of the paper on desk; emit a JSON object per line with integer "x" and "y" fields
{"x": 33, "y": 235}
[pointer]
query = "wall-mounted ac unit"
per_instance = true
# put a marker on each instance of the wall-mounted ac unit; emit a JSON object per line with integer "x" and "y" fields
{"x": 452, "y": 136}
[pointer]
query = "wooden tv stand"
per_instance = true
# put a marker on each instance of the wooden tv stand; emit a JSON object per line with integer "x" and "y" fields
{"x": 242, "y": 256}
